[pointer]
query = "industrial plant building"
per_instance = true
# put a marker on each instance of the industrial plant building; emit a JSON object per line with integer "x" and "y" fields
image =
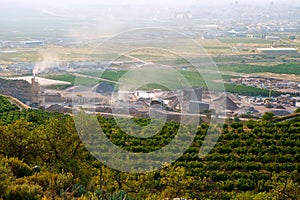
{"x": 278, "y": 51}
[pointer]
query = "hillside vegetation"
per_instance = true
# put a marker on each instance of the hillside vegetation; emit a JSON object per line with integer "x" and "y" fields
{"x": 256, "y": 160}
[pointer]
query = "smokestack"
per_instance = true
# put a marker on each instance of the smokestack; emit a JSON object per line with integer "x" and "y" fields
{"x": 33, "y": 79}
{"x": 35, "y": 90}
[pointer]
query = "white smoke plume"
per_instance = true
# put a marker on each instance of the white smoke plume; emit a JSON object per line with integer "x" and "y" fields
{"x": 49, "y": 60}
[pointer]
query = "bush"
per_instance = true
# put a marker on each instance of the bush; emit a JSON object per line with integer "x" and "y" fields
{"x": 18, "y": 168}
{"x": 24, "y": 192}
{"x": 268, "y": 116}
{"x": 51, "y": 182}
{"x": 6, "y": 178}
{"x": 117, "y": 195}
{"x": 250, "y": 124}
{"x": 236, "y": 125}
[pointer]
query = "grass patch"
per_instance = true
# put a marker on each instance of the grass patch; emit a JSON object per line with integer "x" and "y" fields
{"x": 285, "y": 68}
{"x": 110, "y": 75}
{"x": 20, "y": 55}
{"x": 245, "y": 41}
{"x": 74, "y": 79}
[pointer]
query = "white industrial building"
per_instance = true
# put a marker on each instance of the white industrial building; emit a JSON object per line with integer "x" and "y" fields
{"x": 278, "y": 51}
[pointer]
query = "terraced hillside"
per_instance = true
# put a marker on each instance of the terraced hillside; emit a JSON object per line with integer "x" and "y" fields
{"x": 252, "y": 160}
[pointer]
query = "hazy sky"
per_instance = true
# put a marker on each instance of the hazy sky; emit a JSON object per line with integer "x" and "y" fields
{"x": 138, "y": 2}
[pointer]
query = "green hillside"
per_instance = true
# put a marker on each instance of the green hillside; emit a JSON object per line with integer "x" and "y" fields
{"x": 255, "y": 160}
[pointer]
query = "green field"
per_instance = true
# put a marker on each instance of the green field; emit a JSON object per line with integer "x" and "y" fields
{"x": 21, "y": 55}
{"x": 194, "y": 79}
{"x": 284, "y": 68}
{"x": 245, "y": 41}
{"x": 74, "y": 79}
{"x": 190, "y": 75}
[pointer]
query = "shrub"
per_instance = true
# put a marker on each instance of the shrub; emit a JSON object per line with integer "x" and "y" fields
{"x": 24, "y": 192}
{"x": 236, "y": 125}
{"x": 250, "y": 124}
{"x": 18, "y": 168}
{"x": 268, "y": 116}
{"x": 6, "y": 177}
{"x": 52, "y": 182}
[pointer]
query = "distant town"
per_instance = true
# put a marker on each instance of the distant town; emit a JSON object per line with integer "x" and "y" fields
{"x": 270, "y": 38}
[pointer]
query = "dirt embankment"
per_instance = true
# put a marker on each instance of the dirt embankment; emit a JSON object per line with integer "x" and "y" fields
{"x": 17, "y": 102}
